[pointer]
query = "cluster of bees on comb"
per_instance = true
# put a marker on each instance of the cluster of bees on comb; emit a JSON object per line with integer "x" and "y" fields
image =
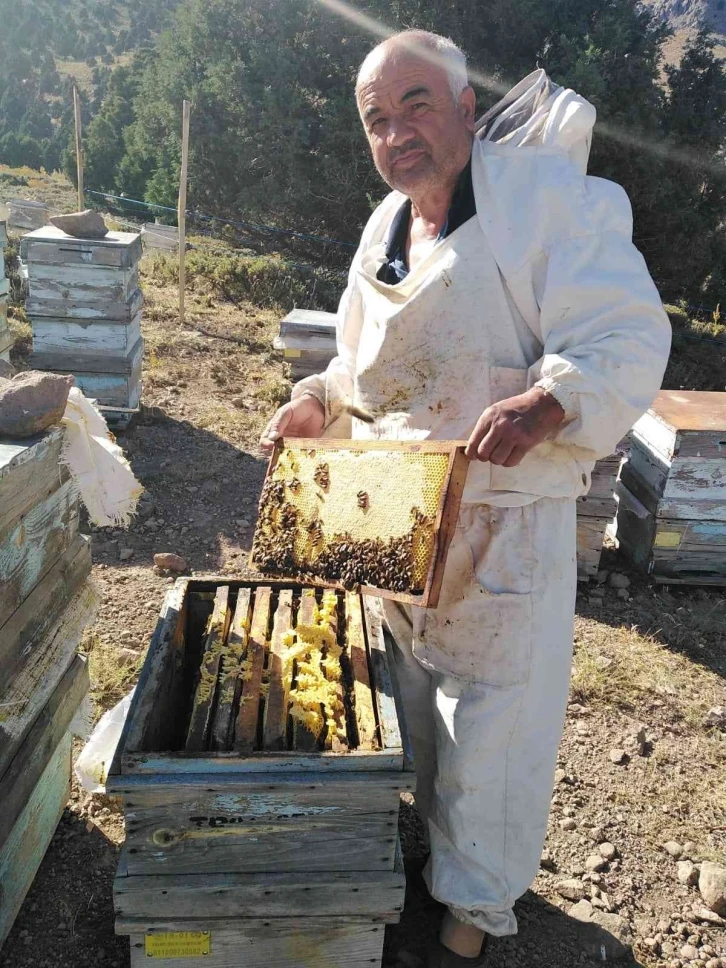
{"x": 380, "y": 563}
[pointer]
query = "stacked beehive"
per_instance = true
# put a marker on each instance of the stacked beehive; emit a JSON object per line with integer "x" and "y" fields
{"x": 24, "y": 213}
{"x": 45, "y": 603}
{"x": 672, "y": 494}
{"x": 6, "y": 340}
{"x": 84, "y": 305}
{"x": 307, "y": 341}
{"x": 595, "y": 511}
{"x": 256, "y": 834}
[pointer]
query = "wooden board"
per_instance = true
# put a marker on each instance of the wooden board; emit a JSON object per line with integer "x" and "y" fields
{"x": 246, "y": 726}
{"x": 274, "y": 726}
{"x": 112, "y": 391}
{"x": 25, "y": 847}
{"x": 51, "y": 246}
{"x": 444, "y": 517}
{"x": 147, "y": 724}
{"x": 30, "y": 549}
{"x": 79, "y": 281}
{"x": 83, "y": 307}
{"x": 386, "y": 692}
{"x": 294, "y": 944}
{"x": 25, "y": 769}
{"x": 205, "y": 697}
{"x": 691, "y": 410}
{"x": 86, "y": 360}
{"x": 590, "y": 538}
{"x": 24, "y": 697}
{"x": 151, "y": 899}
{"x": 26, "y": 628}
{"x": 73, "y": 337}
{"x": 295, "y": 822}
{"x": 365, "y": 716}
{"x": 229, "y": 672}
{"x": 29, "y": 472}
{"x": 308, "y": 322}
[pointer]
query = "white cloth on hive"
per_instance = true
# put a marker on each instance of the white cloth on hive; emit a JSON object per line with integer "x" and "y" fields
{"x": 99, "y": 469}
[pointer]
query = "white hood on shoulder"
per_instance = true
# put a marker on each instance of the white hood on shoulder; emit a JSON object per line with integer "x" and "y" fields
{"x": 537, "y": 112}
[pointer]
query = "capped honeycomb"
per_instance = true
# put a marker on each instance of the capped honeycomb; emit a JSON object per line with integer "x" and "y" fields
{"x": 353, "y": 516}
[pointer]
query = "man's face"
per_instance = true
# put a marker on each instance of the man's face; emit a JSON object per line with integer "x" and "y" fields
{"x": 419, "y": 136}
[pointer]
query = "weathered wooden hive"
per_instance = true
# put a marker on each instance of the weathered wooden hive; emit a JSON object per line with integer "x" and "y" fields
{"x": 307, "y": 341}
{"x": 672, "y": 494}
{"x": 595, "y": 511}
{"x": 45, "y": 603}
{"x": 24, "y": 213}
{"x": 260, "y": 769}
{"x": 84, "y": 304}
{"x": 6, "y": 339}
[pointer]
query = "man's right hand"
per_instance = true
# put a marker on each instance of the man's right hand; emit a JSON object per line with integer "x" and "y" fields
{"x": 303, "y": 417}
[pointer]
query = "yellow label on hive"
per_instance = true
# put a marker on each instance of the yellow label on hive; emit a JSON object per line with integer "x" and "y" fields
{"x": 292, "y": 354}
{"x": 178, "y": 944}
{"x": 667, "y": 539}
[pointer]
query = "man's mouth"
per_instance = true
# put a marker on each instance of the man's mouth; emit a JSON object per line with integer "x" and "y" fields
{"x": 408, "y": 159}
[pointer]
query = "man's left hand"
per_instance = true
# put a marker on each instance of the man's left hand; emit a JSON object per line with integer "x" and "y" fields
{"x": 507, "y": 430}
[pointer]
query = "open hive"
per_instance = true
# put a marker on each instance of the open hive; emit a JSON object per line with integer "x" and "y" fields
{"x": 376, "y": 515}
{"x": 283, "y": 669}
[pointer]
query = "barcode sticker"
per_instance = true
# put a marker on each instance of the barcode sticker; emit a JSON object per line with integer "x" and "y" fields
{"x": 178, "y": 944}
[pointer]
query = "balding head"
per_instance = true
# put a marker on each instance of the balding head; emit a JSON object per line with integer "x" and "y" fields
{"x": 418, "y": 111}
{"x": 437, "y": 50}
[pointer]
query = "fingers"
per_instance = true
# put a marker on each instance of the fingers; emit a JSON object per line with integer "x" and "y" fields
{"x": 276, "y": 428}
{"x": 477, "y": 436}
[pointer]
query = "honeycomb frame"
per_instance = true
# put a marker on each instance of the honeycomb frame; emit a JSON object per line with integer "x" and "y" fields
{"x": 334, "y": 510}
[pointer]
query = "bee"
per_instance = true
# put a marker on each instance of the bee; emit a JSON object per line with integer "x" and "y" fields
{"x": 363, "y": 500}
{"x": 294, "y": 485}
{"x": 321, "y": 476}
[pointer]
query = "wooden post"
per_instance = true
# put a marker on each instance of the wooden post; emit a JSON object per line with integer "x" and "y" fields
{"x": 181, "y": 212}
{"x": 79, "y": 147}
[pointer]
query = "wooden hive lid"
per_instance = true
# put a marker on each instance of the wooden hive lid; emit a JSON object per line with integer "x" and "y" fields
{"x": 13, "y": 453}
{"x": 49, "y": 233}
{"x": 691, "y": 410}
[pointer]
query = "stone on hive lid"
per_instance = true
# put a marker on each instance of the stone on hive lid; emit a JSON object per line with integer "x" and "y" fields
{"x": 32, "y": 401}
{"x": 82, "y": 225}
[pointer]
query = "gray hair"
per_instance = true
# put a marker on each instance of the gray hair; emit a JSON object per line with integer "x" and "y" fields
{"x": 435, "y": 48}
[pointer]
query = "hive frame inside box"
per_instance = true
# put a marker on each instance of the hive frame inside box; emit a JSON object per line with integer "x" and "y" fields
{"x": 446, "y": 516}
{"x": 135, "y": 753}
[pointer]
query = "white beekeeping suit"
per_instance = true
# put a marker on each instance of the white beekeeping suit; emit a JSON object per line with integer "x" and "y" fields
{"x": 542, "y": 287}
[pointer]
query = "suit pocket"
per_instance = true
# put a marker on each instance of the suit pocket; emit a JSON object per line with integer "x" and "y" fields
{"x": 481, "y": 630}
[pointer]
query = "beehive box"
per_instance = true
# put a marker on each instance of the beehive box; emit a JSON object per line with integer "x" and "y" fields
{"x": 247, "y": 836}
{"x": 374, "y": 515}
{"x": 26, "y": 214}
{"x": 672, "y": 495}
{"x": 45, "y": 603}
{"x": 84, "y": 304}
{"x": 595, "y": 511}
{"x": 307, "y": 340}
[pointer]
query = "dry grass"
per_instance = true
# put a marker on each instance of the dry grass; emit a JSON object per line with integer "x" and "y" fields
{"x": 113, "y": 674}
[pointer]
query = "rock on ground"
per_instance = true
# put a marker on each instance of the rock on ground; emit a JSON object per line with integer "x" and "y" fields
{"x": 712, "y": 885}
{"x": 687, "y": 872}
{"x": 170, "y": 562}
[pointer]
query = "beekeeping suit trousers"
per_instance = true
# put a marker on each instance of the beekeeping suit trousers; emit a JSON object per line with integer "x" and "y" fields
{"x": 484, "y": 681}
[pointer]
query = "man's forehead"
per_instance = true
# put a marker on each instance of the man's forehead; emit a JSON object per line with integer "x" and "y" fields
{"x": 397, "y": 76}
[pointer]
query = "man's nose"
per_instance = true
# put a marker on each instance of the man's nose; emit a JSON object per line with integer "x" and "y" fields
{"x": 399, "y": 132}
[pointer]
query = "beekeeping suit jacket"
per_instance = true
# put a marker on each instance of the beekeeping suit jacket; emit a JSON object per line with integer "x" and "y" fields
{"x": 587, "y": 316}
{"x": 542, "y": 287}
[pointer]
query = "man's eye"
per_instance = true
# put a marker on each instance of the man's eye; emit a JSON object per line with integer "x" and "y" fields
{"x": 421, "y": 104}
{"x": 377, "y": 123}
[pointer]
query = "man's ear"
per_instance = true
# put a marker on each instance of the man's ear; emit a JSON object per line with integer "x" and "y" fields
{"x": 467, "y": 106}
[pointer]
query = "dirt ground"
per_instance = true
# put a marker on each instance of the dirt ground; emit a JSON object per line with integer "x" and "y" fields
{"x": 639, "y": 765}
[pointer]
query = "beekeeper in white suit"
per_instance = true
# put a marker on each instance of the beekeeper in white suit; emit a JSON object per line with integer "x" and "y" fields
{"x": 496, "y": 296}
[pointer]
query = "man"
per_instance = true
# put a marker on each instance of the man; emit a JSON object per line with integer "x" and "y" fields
{"x": 497, "y": 297}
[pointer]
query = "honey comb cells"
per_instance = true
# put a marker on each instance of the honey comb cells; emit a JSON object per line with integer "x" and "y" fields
{"x": 357, "y": 517}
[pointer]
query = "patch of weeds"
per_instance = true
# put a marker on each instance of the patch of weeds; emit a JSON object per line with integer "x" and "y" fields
{"x": 113, "y": 673}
